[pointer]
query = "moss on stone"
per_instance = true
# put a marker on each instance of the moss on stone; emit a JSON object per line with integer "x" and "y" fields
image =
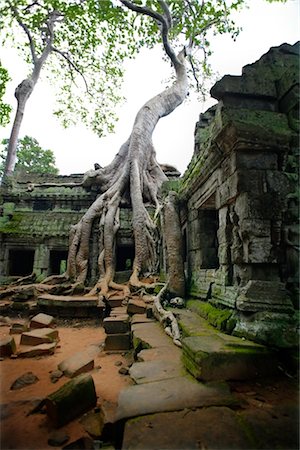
{"x": 220, "y": 318}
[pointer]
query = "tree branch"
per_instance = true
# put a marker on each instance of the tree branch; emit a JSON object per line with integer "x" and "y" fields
{"x": 71, "y": 64}
{"x": 26, "y": 30}
{"x": 164, "y": 21}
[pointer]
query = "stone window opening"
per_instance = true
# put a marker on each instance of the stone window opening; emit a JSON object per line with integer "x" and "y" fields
{"x": 20, "y": 262}
{"x": 58, "y": 262}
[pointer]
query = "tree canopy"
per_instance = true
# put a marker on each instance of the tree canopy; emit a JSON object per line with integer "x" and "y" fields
{"x": 31, "y": 157}
{"x": 5, "y": 109}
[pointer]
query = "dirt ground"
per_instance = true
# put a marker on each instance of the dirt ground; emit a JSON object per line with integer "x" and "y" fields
{"x": 19, "y": 431}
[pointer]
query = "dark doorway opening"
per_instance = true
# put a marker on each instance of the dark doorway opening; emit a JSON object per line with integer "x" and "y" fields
{"x": 21, "y": 262}
{"x": 58, "y": 262}
{"x": 125, "y": 257}
{"x": 209, "y": 224}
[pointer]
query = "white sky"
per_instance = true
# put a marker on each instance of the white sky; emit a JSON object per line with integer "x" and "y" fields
{"x": 76, "y": 149}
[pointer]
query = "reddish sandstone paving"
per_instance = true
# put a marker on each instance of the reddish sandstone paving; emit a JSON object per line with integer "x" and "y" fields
{"x": 19, "y": 431}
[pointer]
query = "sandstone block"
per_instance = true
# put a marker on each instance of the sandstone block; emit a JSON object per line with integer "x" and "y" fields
{"x": 136, "y": 307}
{"x": 18, "y": 328}
{"x": 41, "y": 320}
{"x": 37, "y": 350}
{"x": 118, "y": 342}
{"x": 7, "y": 346}
{"x": 117, "y": 324}
{"x": 77, "y": 364}
{"x": 115, "y": 301}
{"x": 39, "y": 336}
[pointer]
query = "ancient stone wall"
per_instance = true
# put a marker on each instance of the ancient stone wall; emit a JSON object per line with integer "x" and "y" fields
{"x": 241, "y": 195}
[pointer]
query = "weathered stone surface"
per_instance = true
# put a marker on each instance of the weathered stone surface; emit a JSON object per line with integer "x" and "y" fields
{"x": 141, "y": 318}
{"x": 74, "y": 398}
{"x": 24, "y": 294}
{"x": 136, "y": 307}
{"x": 70, "y": 306}
{"x": 37, "y": 350}
{"x": 171, "y": 395}
{"x": 7, "y": 346}
{"x": 56, "y": 375}
{"x": 274, "y": 329}
{"x": 264, "y": 296}
{"x": 149, "y": 335}
{"x": 41, "y": 320}
{"x": 18, "y": 328}
{"x": 118, "y": 324}
{"x": 115, "y": 301}
{"x": 214, "y": 358}
{"x": 168, "y": 353}
{"x": 118, "y": 342}
{"x": 118, "y": 311}
{"x": 39, "y": 336}
{"x": 150, "y": 371}
{"x": 93, "y": 422}
{"x": 24, "y": 380}
{"x": 76, "y": 364}
{"x": 212, "y": 428}
{"x": 83, "y": 443}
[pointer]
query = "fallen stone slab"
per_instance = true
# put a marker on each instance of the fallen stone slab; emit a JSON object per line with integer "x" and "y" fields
{"x": 18, "y": 328}
{"x": 208, "y": 428}
{"x": 117, "y": 324}
{"x": 136, "y": 307}
{"x": 115, "y": 301}
{"x": 71, "y": 306}
{"x": 7, "y": 346}
{"x": 37, "y": 350}
{"x": 214, "y": 358}
{"x": 164, "y": 353}
{"x": 77, "y": 364}
{"x": 149, "y": 335}
{"x": 117, "y": 342}
{"x": 150, "y": 371}
{"x": 41, "y": 320}
{"x": 171, "y": 395}
{"x": 141, "y": 318}
{"x": 24, "y": 380}
{"x": 39, "y": 336}
{"x": 74, "y": 398}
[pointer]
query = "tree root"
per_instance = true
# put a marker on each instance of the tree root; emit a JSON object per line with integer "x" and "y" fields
{"x": 166, "y": 318}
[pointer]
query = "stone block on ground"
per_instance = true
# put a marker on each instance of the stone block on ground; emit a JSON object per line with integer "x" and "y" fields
{"x": 18, "y": 328}
{"x": 39, "y": 336}
{"x": 24, "y": 380}
{"x": 116, "y": 324}
{"x": 149, "y": 335}
{"x": 74, "y": 398}
{"x": 214, "y": 358}
{"x": 70, "y": 306}
{"x": 7, "y": 346}
{"x": 117, "y": 342}
{"x": 141, "y": 318}
{"x": 77, "y": 364}
{"x": 41, "y": 320}
{"x": 160, "y": 353}
{"x": 150, "y": 371}
{"x": 118, "y": 311}
{"x": 171, "y": 395}
{"x": 115, "y": 301}
{"x": 208, "y": 428}
{"x": 37, "y": 350}
{"x": 136, "y": 307}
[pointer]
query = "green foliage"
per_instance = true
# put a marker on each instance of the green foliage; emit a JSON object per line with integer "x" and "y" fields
{"x": 4, "y": 107}
{"x": 91, "y": 40}
{"x": 31, "y": 157}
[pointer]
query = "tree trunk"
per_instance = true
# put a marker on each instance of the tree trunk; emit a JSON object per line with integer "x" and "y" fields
{"x": 22, "y": 93}
{"x": 135, "y": 173}
{"x": 173, "y": 239}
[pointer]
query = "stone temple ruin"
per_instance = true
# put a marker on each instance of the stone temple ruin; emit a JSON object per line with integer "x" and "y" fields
{"x": 239, "y": 216}
{"x": 238, "y": 208}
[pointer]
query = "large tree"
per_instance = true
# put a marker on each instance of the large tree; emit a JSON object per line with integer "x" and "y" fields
{"x": 31, "y": 157}
{"x": 74, "y": 43}
{"x": 134, "y": 175}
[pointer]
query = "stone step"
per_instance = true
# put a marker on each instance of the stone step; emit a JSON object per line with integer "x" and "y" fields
{"x": 115, "y": 301}
{"x": 151, "y": 371}
{"x": 116, "y": 342}
{"x": 71, "y": 306}
{"x": 212, "y": 357}
{"x": 116, "y": 324}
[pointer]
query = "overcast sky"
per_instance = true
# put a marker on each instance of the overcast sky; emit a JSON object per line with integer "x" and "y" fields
{"x": 76, "y": 149}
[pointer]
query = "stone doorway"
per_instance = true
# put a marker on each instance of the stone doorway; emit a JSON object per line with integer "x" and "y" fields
{"x": 20, "y": 262}
{"x": 125, "y": 257}
{"x": 58, "y": 262}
